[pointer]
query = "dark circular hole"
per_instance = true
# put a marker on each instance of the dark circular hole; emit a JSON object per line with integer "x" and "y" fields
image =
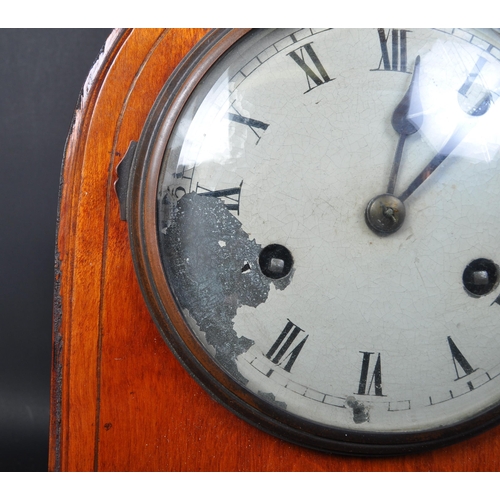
{"x": 481, "y": 107}
{"x": 480, "y": 277}
{"x": 476, "y": 101}
{"x": 275, "y": 261}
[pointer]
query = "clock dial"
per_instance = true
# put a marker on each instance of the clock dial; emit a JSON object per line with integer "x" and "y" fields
{"x": 325, "y": 223}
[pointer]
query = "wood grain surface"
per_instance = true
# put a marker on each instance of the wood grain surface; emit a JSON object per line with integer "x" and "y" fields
{"x": 120, "y": 399}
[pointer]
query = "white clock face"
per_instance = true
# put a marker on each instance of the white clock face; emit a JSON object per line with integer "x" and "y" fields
{"x": 271, "y": 254}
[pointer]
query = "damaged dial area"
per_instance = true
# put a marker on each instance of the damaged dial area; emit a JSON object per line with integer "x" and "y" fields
{"x": 216, "y": 272}
{"x": 265, "y": 241}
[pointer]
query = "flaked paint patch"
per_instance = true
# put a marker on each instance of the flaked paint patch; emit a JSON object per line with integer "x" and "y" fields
{"x": 269, "y": 396}
{"x": 360, "y": 411}
{"x": 212, "y": 280}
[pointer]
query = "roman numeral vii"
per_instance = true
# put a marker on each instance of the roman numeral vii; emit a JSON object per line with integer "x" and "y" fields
{"x": 283, "y": 352}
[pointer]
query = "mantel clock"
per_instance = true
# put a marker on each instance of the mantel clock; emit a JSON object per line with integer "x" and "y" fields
{"x": 306, "y": 218}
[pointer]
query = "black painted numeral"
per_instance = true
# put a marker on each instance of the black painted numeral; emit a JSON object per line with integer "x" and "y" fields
{"x": 376, "y": 378}
{"x": 182, "y": 173}
{"x": 313, "y": 79}
{"x": 459, "y": 361}
{"x": 475, "y": 104}
{"x": 254, "y": 125}
{"x": 393, "y": 45}
{"x": 471, "y": 78}
{"x": 282, "y": 351}
{"x": 230, "y": 196}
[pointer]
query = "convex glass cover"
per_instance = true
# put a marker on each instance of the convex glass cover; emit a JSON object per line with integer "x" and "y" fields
{"x": 317, "y": 230}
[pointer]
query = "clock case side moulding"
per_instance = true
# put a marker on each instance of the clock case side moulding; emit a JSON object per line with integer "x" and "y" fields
{"x": 120, "y": 401}
{"x": 69, "y": 180}
{"x": 93, "y": 315}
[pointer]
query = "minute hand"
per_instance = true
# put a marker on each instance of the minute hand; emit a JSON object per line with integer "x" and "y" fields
{"x": 456, "y": 138}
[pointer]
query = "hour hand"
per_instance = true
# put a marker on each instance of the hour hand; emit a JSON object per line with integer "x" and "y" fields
{"x": 456, "y": 138}
{"x": 406, "y": 120}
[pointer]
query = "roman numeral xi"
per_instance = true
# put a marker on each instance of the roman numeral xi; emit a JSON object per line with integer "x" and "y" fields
{"x": 304, "y": 56}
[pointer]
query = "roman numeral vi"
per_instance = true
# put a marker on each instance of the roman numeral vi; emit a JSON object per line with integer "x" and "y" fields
{"x": 376, "y": 378}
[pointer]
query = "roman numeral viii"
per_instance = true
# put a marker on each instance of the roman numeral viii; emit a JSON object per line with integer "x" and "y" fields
{"x": 375, "y": 379}
{"x": 283, "y": 351}
{"x": 315, "y": 77}
{"x": 395, "y": 49}
{"x": 230, "y": 196}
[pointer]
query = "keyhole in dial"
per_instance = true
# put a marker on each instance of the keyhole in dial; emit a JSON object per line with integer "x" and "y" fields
{"x": 476, "y": 101}
{"x": 275, "y": 261}
{"x": 480, "y": 277}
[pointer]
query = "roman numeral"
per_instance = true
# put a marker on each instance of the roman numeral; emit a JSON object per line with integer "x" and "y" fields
{"x": 482, "y": 102}
{"x": 181, "y": 173}
{"x": 282, "y": 352}
{"x": 254, "y": 125}
{"x": 376, "y": 378}
{"x": 231, "y": 196}
{"x": 180, "y": 191}
{"x": 471, "y": 78}
{"x": 313, "y": 79}
{"x": 397, "y": 49}
{"x": 459, "y": 360}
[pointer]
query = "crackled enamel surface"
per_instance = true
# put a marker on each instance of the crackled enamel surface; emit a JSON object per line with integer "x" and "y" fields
{"x": 285, "y": 142}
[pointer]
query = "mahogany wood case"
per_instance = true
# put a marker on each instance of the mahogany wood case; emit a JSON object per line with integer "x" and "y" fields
{"x": 120, "y": 399}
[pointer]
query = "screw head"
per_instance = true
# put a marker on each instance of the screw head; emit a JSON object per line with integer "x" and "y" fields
{"x": 385, "y": 214}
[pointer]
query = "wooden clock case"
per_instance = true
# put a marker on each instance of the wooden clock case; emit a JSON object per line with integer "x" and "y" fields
{"x": 120, "y": 399}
